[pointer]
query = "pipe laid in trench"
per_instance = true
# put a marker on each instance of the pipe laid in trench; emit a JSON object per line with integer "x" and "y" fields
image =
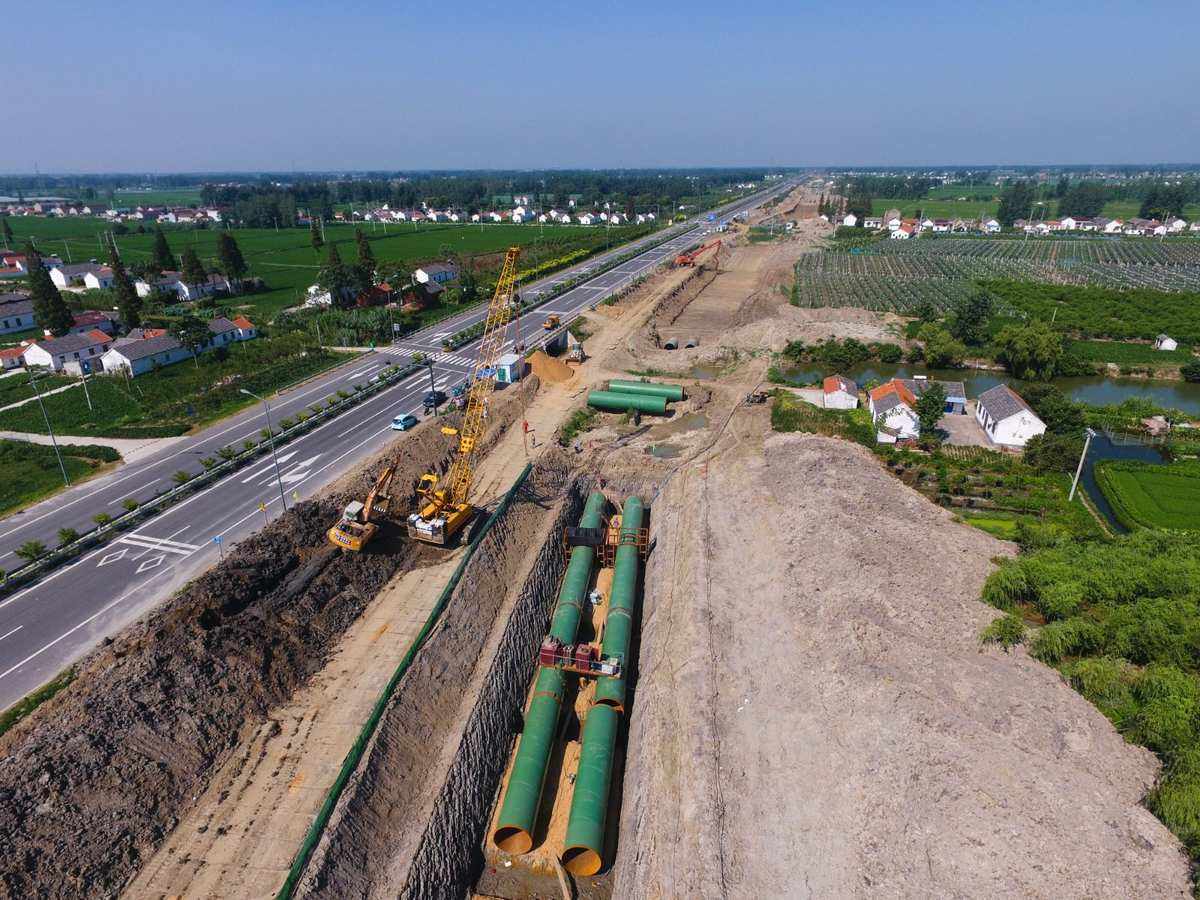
{"x": 672, "y": 392}
{"x": 618, "y": 625}
{"x": 583, "y": 852}
{"x": 518, "y": 813}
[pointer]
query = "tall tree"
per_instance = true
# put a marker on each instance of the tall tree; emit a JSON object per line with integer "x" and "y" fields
{"x": 931, "y": 406}
{"x": 129, "y": 304}
{"x": 50, "y": 311}
{"x": 193, "y": 334}
{"x": 335, "y": 258}
{"x": 969, "y": 317}
{"x": 162, "y": 256}
{"x": 366, "y": 257}
{"x": 1031, "y": 352}
{"x": 6, "y": 229}
{"x": 1016, "y": 201}
{"x": 231, "y": 258}
{"x": 192, "y": 269}
{"x": 314, "y": 234}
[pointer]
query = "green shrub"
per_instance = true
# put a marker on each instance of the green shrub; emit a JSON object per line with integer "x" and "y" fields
{"x": 1070, "y": 637}
{"x": 67, "y": 536}
{"x": 1007, "y": 586}
{"x": 1007, "y": 631}
{"x": 102, "y": 519}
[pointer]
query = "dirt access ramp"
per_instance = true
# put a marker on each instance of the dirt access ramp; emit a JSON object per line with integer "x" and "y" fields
{"x": 814, "y": 716}
{"x": 94, "y": 781}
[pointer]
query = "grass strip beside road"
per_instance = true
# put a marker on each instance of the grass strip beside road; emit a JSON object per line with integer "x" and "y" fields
{"x": 27, "y": 704}
{"x": 1147, "y": 495}
{"x": 30, "y": 472}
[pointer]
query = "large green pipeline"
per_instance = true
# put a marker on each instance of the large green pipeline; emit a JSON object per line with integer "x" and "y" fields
{"x": 583, "y": 852}
{"x": 618, "y": 402}
{"x": 652, "y": 388}
{"x": 618, "y": 626}
{"x": 518, "y": 813}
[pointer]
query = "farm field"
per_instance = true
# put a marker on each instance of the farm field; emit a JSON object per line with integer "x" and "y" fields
{"x": 937, "y": 208}
{"x": 897, "y": 275}
{"x": 1144, "y": 495}
{"x": 172, "y": 197}
{"x": 285, "y": 260}
{"x": 1121, "y": 353}
{"x": 30, "y": 472}
{"x": 176, "y": 398}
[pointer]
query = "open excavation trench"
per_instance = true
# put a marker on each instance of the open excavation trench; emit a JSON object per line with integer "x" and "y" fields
{"x": 93, "y": 781}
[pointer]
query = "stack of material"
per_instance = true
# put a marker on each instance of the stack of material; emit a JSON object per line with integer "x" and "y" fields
{"x": 549, "y": 369}
{"x": 644, "y": 396}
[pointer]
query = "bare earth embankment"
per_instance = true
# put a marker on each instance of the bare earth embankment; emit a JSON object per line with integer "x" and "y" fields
{"x": 815, "y": 717}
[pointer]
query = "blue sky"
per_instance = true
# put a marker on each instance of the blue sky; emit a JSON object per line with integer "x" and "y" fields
{"x": 128, "y": 86}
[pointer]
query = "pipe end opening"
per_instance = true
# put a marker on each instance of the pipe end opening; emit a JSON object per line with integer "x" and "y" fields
{"x": 581, "y": 860}
{"x": 513, "y": 839}
{"x": 612, "y": 703}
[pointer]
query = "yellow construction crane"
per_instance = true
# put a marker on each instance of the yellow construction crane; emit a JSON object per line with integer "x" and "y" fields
{"x": 446, "y": 507}
{"x": 357, "y": 525}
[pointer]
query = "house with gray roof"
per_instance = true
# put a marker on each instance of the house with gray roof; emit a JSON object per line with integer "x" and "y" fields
{"x": 144, "y": 355}
{"x": 16, "y": 313}
{"x": 1006, "y": 418}
{"x": 75, "y": 353}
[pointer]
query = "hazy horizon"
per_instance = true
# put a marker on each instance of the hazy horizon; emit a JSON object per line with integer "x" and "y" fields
{"x": 487, "y": 87}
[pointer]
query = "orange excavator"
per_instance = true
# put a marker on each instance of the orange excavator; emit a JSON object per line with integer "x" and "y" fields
{"x": 689, "y": 258}
{"x": 357, "y": 525}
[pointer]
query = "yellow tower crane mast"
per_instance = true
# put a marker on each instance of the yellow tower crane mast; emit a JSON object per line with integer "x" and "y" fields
{"x": 446, "y": 506}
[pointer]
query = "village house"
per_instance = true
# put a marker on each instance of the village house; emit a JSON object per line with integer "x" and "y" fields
{"x": 98, "y": 280}
{"x": 93, "y": 320}
{"x": 991, "y": 226}
{"x": 11, "y": 358}
{"x": 892, "y": 219}
{"x": 75, "y": 353}
{"x": 1165, "y": 342}
{"x": 166, "y": 283}
{"x": 1006, "y": 418}
{"x": 155, "y": 349}
{"x": 850, "y": 220}
{"x": 894, "y": 410}
{"x": 840, "y": 393}
{"x": 73, "y": 276}
{"x": 588, "y": 219}
{"x": 439, "y": 272}
{"x": 873, "y": 222}
{"x": 16, "y": 313}
{"x": 902, "y": 233}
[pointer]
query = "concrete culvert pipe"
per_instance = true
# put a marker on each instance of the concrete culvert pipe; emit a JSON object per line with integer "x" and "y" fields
{"x": 618, "y": 626}
{"x": 673, "y": 392}
{"x": 583, "y": 853}
{"x": 523, "y": 797}
{"x": 692, "y": 344}
{"x": 612, "y": 401}
{"x": 671, "y": 344}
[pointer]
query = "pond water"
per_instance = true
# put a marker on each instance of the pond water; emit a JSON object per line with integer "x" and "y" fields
{"x": 1105, "y": 447}
{"x": 1092, "y": 389}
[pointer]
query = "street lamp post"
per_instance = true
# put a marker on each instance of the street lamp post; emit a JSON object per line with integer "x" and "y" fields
{"x": 270, "y": 431}
{"x": 50, "y": 431}
{"x": 1079, "y": 469}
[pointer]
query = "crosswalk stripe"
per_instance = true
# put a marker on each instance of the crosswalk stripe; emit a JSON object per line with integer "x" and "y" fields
{"x": 147, "y": 545}
{"x": 165, "y": 541}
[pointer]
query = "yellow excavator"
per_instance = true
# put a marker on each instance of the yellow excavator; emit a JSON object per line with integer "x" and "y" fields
{"x": 358, "y": 522}
{"x": 444, "y": 505}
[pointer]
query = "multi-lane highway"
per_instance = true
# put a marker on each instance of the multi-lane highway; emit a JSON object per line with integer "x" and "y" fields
{"x": 47, "y": 626}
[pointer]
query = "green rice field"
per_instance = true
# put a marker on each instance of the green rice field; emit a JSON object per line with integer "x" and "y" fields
{"x": 1144, "y": 495}
{"x": 285, "y": 260}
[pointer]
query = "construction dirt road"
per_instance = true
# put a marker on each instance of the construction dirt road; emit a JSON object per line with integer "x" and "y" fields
{"x": 811, "y": 713}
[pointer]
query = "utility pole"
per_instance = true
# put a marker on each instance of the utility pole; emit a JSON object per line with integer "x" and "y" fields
{"x": 83, "y": 378}
{"x": 1079, "y": 469}
{"x": 50, "y": 431}
{"x": 67, "y": 247}
{"x": 271, "y": 431}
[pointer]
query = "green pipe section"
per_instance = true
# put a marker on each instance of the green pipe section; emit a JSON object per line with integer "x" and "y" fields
{"x": 564, "y": 624}
{"x": 618, "y": 402}
{"x": 583, "y": 853}
{"x": 673, "y": 392}
{"x": 518, "y": 813}
{"x": 618, "y": 626}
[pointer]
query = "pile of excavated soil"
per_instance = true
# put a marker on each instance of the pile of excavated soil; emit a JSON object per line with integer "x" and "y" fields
{"x": 814, "y": 715}
{"x": 549, "y": 369}
{"x": 94, "y": 779}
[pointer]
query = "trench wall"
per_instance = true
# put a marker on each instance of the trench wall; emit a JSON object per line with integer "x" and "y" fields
{"x": 374, "y": 833}
{"x": 449, "y": 856}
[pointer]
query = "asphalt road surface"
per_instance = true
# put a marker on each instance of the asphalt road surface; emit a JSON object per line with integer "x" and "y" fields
{"x": 47, "y": 626}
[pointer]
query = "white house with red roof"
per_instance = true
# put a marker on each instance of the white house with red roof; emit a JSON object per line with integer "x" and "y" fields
{"x": 75, "y": 353}
{"x": 840, "y": 393}
{"x": 894, "y": 409}
{"x": 11, "y": 358}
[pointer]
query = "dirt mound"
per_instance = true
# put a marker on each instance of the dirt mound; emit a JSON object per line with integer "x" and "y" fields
{"x": 95, "y": 779}
{"x": 814, "y": 714}
{"x": 549, "y": 369}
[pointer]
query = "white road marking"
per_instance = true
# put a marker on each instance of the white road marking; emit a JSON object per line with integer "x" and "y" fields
{"x": 136, "y": 491}
{"x": 113, "y": 557}
{"x": 167, "y": 540}
{"x": 134, "y": 542}
{"x": 269, "y": 465}
{"x": 11, "y": 633}
{"x": 152, "y": 563}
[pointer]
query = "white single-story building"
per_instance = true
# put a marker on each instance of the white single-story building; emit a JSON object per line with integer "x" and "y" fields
{"x": 1006, "y": 418}
{"x": 439, "y": 272}
{"x": 167, "y": 283}
{"x": 510, "y": 368}
{"x": 1165, "y": 342}
{"x": 894, "y": 411}
{"x": 68, "y": 276}
{"x": 16, "y": 313}
{"x": 75, "y": 353}
{"x": 840, "y": 393}
{"x": 144, "y": 355}
{"x": 99, "y": 280}
{"x": 850, "y": 220}
{"x": 11, "y": 358}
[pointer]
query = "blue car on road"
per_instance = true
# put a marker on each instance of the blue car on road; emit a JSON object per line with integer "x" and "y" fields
{"x": 403, "y": 423}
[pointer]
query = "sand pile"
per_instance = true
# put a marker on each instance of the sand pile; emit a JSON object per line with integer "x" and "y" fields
{"x": 549, "y": 369}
